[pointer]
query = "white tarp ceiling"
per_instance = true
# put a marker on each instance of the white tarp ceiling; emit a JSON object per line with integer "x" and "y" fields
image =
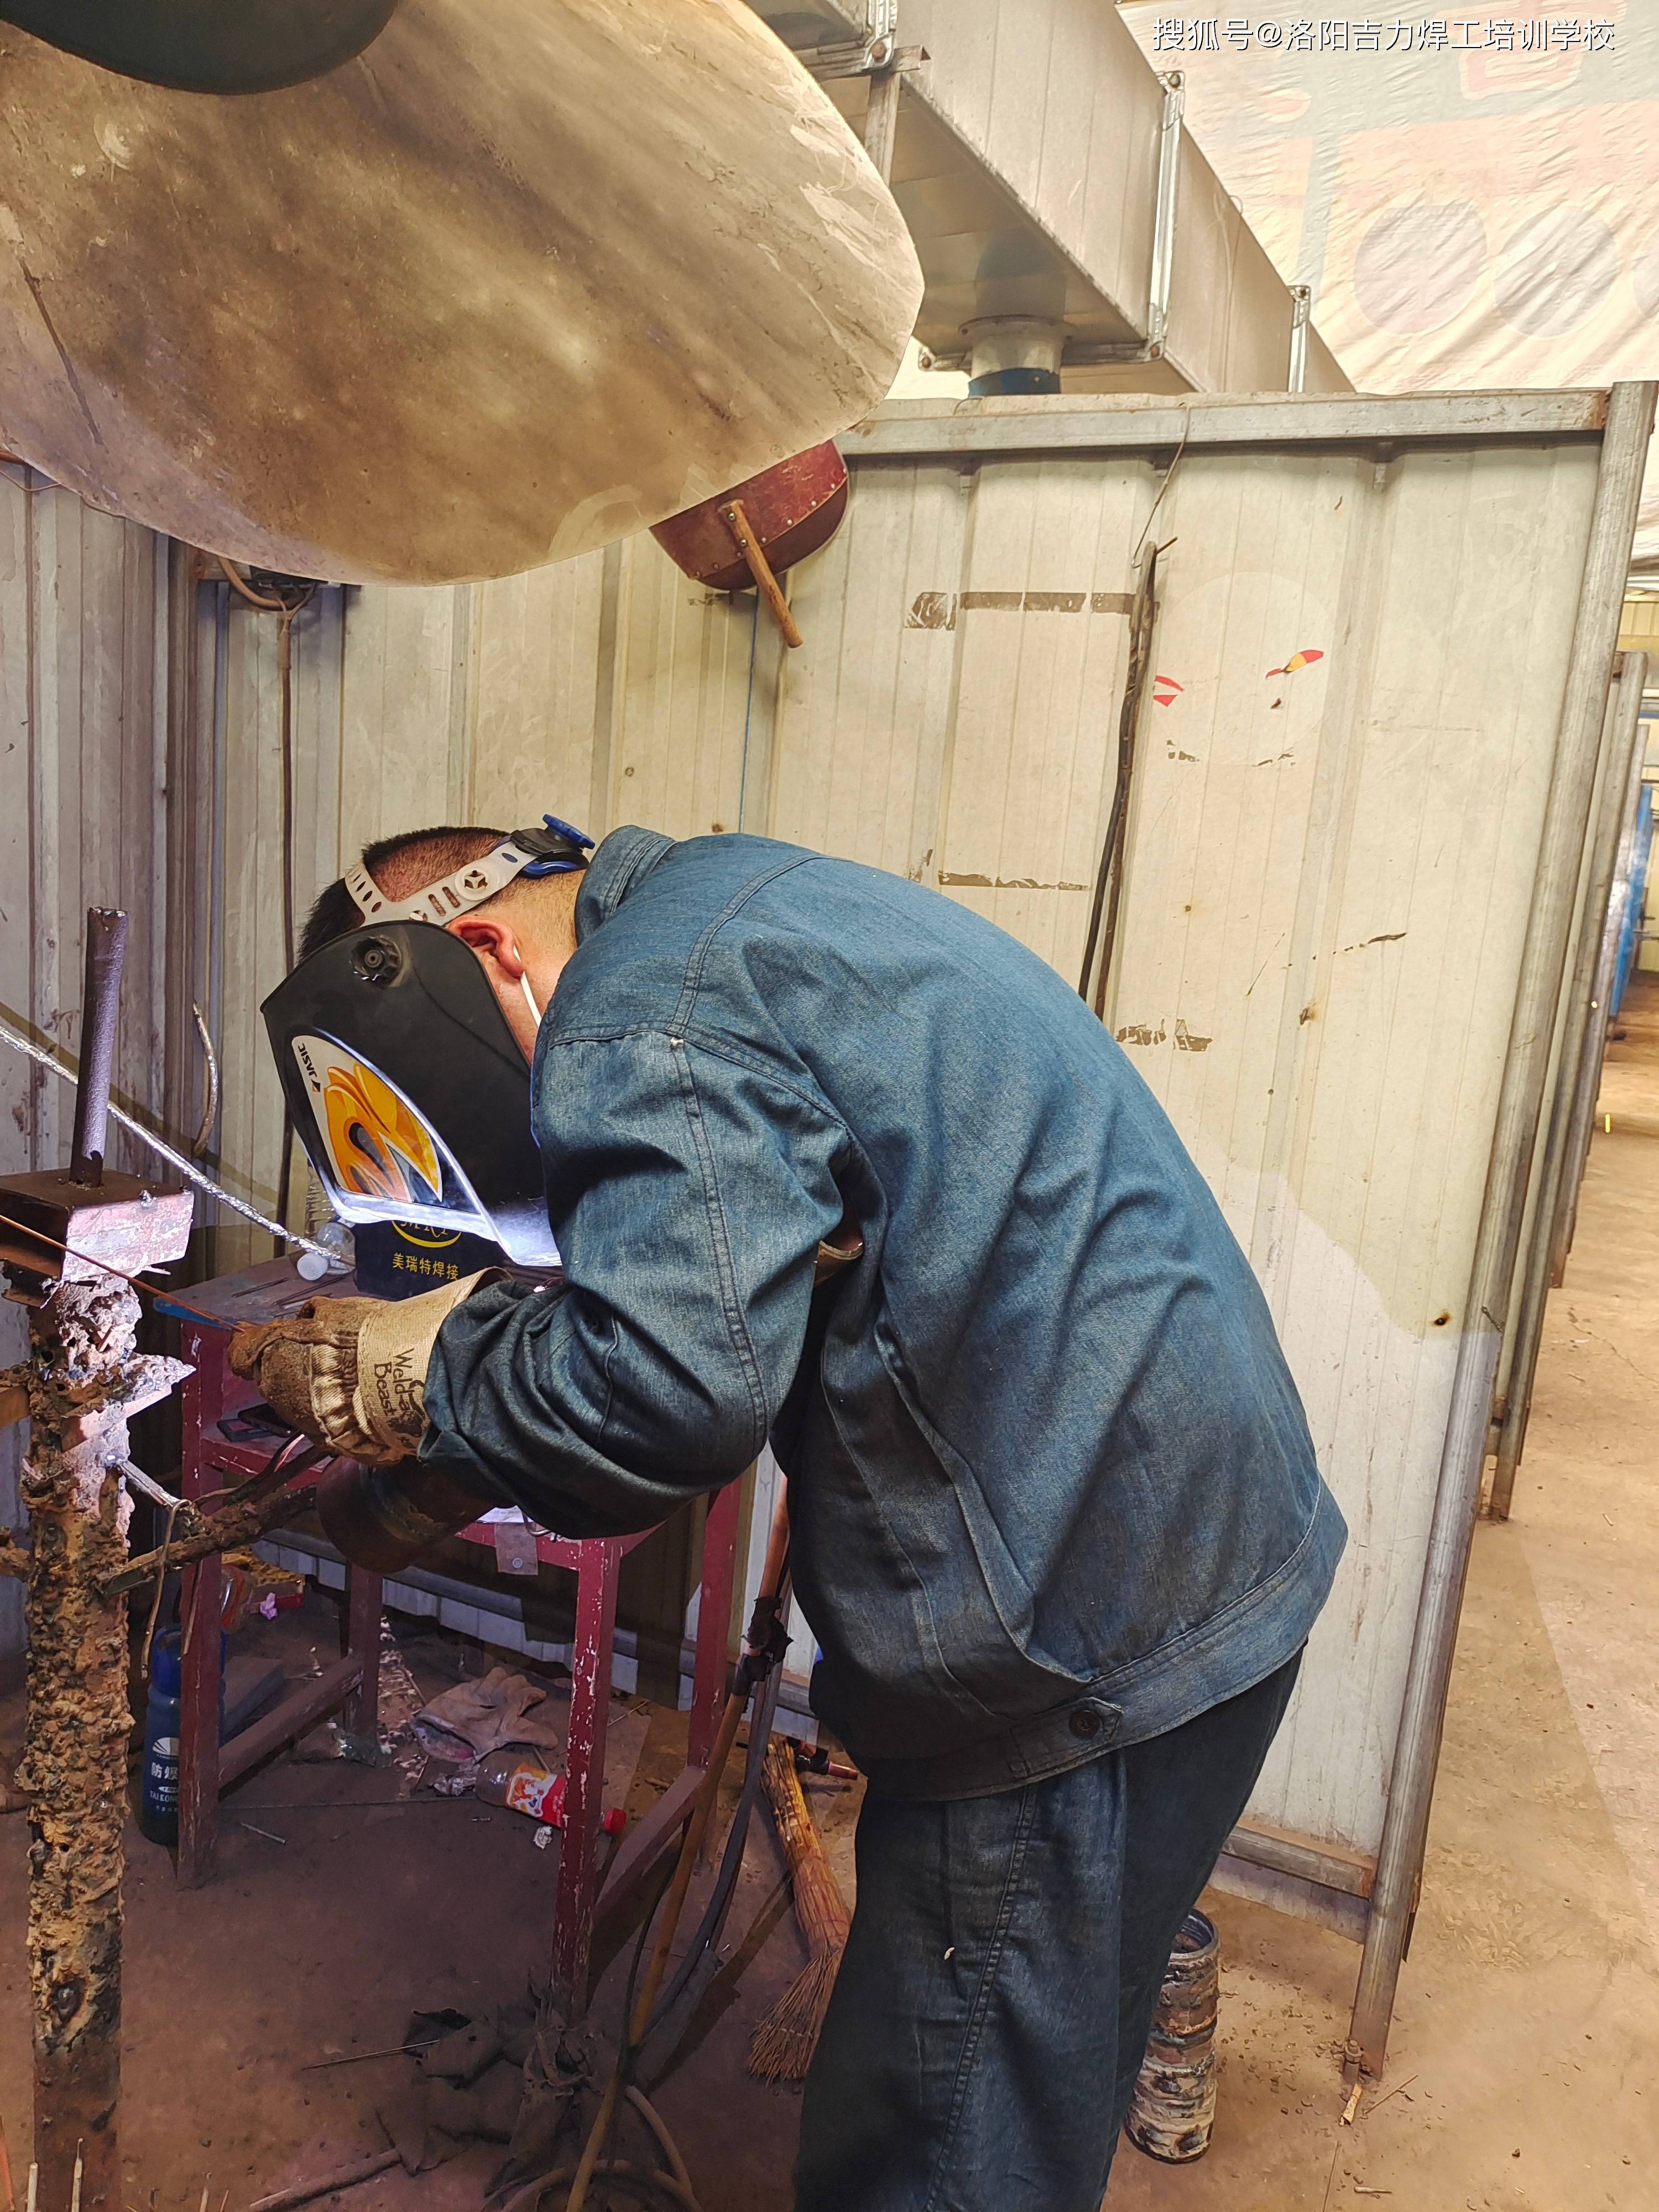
{"x": 1474, "y": 197}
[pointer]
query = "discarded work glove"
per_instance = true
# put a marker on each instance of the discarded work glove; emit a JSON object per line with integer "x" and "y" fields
{"x": 351, "y": 1372}
{"x": 485, "y": 1716}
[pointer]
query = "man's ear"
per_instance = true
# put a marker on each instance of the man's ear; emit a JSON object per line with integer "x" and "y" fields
{"x": 493, "y": 941}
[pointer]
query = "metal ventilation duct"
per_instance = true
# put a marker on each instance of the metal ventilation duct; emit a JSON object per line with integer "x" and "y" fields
{"x": 1062, "y": 214}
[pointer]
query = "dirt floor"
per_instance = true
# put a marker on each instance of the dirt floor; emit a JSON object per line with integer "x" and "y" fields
{"x": 1521, "y": 2072}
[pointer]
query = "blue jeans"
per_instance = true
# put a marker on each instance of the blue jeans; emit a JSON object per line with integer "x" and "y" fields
{"x": 1005, "y": 1961}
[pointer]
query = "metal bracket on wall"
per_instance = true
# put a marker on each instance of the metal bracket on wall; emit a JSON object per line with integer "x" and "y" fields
{"x": 1301, "y": 316}
{"x": 876, "y": 56}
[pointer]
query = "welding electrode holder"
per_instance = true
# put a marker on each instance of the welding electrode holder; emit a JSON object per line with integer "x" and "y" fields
{"x": 766, "y": 1642}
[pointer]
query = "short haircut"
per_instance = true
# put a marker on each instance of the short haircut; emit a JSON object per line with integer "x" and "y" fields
{"x": 400, "y": 866}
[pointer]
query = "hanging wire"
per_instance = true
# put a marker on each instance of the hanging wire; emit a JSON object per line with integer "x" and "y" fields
{"x": 1109, "y": 877}
{"x": 285, "y": 605}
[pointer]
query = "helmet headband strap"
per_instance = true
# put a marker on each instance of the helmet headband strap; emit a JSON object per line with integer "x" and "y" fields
{"x": 557, "y": 850}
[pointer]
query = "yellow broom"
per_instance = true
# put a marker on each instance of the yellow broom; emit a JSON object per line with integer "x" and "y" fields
{"x": 785, "y": 2039}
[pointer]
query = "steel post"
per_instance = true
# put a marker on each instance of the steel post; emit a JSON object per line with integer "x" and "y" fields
{"x": 590, "y": 1702}
{"x": 1405, "y": 1830}
{"x": 1624, "y": 748}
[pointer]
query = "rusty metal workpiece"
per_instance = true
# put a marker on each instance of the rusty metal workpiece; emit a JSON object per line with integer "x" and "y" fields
{"x": 84, "y": 1376}
{"x": 52, "y": 1226}
{"x": 59, "y": 1239}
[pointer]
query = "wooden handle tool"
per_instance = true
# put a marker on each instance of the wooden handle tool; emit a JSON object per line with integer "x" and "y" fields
{"x": 736, "y": 521}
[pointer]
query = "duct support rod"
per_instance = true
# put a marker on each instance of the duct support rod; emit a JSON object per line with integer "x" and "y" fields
{"x": 1301, "y": 316}
{"x": 1163, "y": 214}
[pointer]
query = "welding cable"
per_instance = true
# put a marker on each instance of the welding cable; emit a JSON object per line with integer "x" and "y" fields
{"x": 678, "y": 2183}
{"x": 1110, "y": 874}
{"x": 633, "y": 2178}
{"x": 713, "y": 1924}
{"x": 155, "y": 1601}
{"x": 689, "y": 1975}
{"x": 659, "y": 2127}
{"x": 187, "y": 1168}
{"x": 621, "y": 2086}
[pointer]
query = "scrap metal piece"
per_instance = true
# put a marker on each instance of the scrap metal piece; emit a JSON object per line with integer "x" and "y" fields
{"x": 159, "y": 1144}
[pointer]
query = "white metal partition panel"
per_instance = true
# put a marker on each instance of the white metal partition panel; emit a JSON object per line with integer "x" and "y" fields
{"x": 1383, "y": 637}
{"x": 1328, "y": 881}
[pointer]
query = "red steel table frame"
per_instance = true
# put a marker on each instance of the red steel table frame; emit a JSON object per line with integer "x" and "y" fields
{"x": 351, "y": 1686}
{"x": 597, "y": 1567}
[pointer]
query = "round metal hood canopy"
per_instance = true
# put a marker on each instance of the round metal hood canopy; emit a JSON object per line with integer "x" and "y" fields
{"x": 207, "y": 45}
{"x": 523, "y": 277}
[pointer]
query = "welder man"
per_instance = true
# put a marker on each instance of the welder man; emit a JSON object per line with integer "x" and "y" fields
{"x": 1056, "y": 1521}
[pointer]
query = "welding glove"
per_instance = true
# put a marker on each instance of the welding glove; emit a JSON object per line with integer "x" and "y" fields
{"x": 351, "y": 1372}
{"x": 478, "y": 1718}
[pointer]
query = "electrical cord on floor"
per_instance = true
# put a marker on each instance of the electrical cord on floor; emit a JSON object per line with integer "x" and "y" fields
{"x": 704, "y": 1943}
{"x": 637, "y": 2030}
{"x": 643, "y": 1938}
{"x": 634, "y": 2177}
{"x": 766, "y": 1642}
{"x": 676, "y": 2184}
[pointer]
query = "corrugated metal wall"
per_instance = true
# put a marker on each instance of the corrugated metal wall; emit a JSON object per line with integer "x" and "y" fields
{"x": 1329, "y": 868}
{"x": 83, "y": 740}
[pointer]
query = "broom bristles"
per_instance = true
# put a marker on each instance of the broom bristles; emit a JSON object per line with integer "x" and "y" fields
{"x": 785, "y": 2039}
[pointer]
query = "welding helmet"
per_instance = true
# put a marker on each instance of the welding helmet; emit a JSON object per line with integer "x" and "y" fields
{"x": 406, "y": 1087}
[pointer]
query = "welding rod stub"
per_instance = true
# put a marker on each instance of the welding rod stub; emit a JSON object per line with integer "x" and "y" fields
{"x": 100, "y": 1004}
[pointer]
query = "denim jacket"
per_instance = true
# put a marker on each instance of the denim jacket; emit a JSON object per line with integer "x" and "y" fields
{"x": 1051, "y": 1488}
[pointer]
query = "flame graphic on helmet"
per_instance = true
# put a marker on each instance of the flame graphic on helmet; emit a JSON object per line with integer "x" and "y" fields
{"x": 380, "y": 1149}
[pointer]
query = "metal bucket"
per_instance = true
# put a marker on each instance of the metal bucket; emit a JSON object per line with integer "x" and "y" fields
{"x": 1173, "y": 2109}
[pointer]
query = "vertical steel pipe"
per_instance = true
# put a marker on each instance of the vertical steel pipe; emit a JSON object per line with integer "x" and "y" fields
{"x": 1625, "y": 441}
{"x": 100, "y": 1004}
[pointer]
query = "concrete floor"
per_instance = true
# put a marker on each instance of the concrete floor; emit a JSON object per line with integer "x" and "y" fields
{"x": 1522, "y": 2071}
